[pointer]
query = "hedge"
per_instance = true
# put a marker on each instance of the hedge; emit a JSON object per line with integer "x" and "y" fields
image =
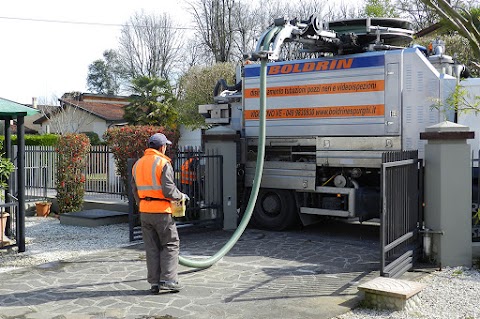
{"x": 31, "y": 139}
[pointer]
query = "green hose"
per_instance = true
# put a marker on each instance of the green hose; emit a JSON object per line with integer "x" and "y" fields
{"x": 205, "y": 263}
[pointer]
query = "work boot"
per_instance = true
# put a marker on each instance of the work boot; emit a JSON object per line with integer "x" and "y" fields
{"x": 170, "y": 286}
{"x": 154, "y": 289}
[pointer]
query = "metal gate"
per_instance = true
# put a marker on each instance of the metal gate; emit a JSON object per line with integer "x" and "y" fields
{"x": 475, "y": 197}
{"x": 402, "y": 198}
{"x": 202, "y": 179}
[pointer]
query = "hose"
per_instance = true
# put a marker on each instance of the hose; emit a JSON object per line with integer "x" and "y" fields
{"x": 205, "y": 263}
{"x": 222, "y": 84}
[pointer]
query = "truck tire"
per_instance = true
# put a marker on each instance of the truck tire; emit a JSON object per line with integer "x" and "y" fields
{"x": 243, "y": 208}
{"x": 275, "y": 209}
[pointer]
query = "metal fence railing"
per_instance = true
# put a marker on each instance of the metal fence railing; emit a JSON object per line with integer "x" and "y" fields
{"x": 399, "y": 239}
{"x": 199, "y": 174}
{"x": 101, "y": 178}
{"x": 8, "y": 223}
{"x": 475, "y": 197}
{"x": 101, "y": 173}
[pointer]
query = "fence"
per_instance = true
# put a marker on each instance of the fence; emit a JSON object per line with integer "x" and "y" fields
{"x": 475, "y": 197}
{"x": 101, "y": 179}
{"x": 401, "y": 212}
{"x": 8, "y": 223}
{"x": 199, "y": 175}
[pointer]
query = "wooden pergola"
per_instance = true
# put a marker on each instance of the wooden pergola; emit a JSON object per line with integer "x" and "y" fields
{"x": 10, "y": 111}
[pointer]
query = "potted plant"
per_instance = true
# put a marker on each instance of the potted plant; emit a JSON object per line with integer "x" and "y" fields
{"x": 3, "y": 224}
{"x": 43, "y": 208}
{"x": 6, "y": 168}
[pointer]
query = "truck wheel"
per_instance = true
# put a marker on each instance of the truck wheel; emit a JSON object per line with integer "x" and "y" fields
{"x": 243, "y": 208}
{"x": 275, "y": 209}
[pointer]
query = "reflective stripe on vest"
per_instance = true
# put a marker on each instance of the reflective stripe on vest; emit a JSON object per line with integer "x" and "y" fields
{"x": 147, "y": 173}
{"x": 188, "y": 177}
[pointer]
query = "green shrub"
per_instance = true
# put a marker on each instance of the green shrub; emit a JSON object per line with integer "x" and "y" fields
{"x": 130, "y": 141}
{"x": 93, "y": 137}
{"x": 72, "y": 150}
{"x": 32, "y": 139}
{"x": 6, "y": 168}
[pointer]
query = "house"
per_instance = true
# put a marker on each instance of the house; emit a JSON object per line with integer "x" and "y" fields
{"x": 26, "y": 129}
{"x": 30, "y": 127}
{"x": 87, "y": 112}
{"x": 83, "y": 112}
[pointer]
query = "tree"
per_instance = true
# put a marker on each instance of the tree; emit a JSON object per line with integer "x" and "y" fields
{"x": 343, "y": 11}
{"x": 416, "y": 11}
{"x": 66, "y": 117}
{"x": 380, "y": 8}
{"x": 129, "y": 142}
{"x": 150, "y": 46}
{"x": 216, "y": 26}
{"x": 196, "y": 88}
{"x": 152, "y": 103}
{"x": 72, "y": 150}
{"x": 105, "y": 76}
{"x": 457, "y": 46}
{"x": 461, "y": 20}
{"x": 247, "y": 28}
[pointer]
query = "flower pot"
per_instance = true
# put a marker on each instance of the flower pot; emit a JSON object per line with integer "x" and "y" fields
{"x": 3, "y": 222}
{"x": 43, "y": 209}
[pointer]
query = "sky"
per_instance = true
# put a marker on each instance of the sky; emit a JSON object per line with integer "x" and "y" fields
{"x": 42, "y": 57}
{"x": 46, "y": 59}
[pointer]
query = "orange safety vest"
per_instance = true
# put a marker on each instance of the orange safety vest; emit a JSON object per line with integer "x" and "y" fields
{"x": 147, "y": 173}
{"x": 188, "y": 176}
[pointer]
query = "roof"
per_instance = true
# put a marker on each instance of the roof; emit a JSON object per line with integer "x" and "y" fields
{"x": 104, "y": 110}
{"x": 10, "y": 109}
{"x": 27, "y": 129}
{"x": 108, "y": 108}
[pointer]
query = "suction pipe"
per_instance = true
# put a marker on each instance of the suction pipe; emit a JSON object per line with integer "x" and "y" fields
{"x": 205, "y": 263}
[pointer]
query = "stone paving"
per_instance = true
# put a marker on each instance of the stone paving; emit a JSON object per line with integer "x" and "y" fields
{"x": 297, "y": 274}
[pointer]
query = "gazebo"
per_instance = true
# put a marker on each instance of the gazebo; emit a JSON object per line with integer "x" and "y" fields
{"x": 10, "y": 111}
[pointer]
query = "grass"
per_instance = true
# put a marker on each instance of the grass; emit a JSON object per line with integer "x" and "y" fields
{"x": 97, "y": 177}
{"x": 457, "y": 272}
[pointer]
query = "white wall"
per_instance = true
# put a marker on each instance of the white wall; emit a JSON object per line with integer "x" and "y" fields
{"x": 190, "y": 137}
{"x": 471, "y": 119}
{"x": 75, "y": 121}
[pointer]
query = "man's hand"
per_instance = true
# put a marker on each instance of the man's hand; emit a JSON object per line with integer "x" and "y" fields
{"x": 185, "y": 197}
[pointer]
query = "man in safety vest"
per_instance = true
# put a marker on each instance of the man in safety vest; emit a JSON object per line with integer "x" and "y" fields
{"x": 189, "y": 176}
{"x": 153, "y": 188}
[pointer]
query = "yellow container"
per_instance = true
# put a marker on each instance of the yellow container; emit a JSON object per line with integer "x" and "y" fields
{"x": 178, "y": 208}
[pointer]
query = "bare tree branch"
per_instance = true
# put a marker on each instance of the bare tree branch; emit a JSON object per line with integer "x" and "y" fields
{"x": 215, "y": 24}
{"x": 66, "y": 117}
{"x": 150, "y": 45}
{"x": 463, "y": 25}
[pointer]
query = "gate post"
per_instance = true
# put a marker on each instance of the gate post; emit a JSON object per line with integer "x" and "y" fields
{"x": 222, "y": 140}
{"x": 448, "y": 193}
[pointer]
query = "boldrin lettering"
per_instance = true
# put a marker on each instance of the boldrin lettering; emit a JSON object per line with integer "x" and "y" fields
{"x": 311, "y": 66}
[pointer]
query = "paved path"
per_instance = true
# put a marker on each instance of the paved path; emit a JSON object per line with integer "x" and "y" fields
{"x": 298, "y": 274}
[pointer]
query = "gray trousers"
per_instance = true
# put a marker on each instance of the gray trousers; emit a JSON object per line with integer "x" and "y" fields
{"x": 161, "y": 246}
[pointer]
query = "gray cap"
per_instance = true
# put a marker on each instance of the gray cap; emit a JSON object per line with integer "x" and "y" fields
{"x": 157, "y": 140}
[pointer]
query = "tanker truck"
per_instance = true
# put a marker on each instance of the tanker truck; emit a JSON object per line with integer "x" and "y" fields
{"x": 358, "y": 90}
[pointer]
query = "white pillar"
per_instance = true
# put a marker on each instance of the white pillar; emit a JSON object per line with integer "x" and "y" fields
{"x": 222, "y": 141}
{"x": 448, "y": 193}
